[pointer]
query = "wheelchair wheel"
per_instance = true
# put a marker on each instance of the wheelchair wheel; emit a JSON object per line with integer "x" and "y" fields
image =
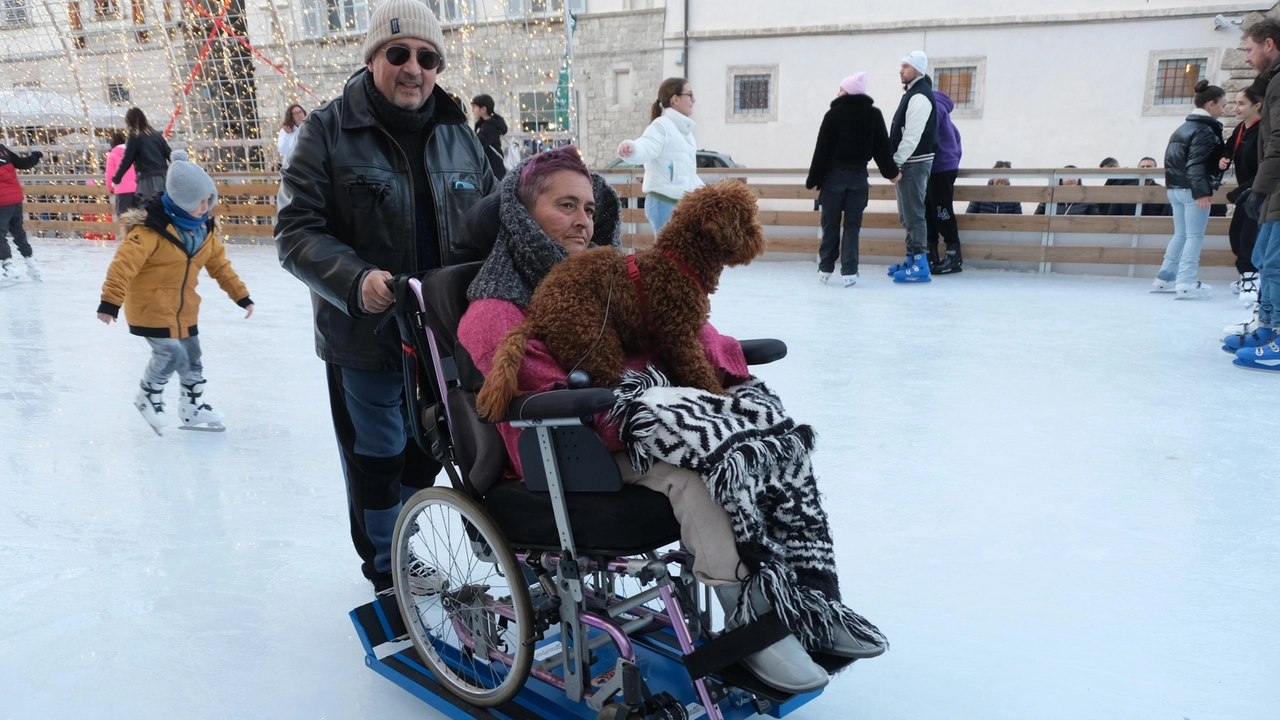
{"x": 463, "y": 597}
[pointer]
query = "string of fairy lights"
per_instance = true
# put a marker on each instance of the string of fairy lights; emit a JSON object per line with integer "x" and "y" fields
{"x": 217, "y": 75}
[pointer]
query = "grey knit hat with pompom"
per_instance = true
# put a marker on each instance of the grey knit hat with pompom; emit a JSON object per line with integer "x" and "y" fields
{"x": 187, "y": 184}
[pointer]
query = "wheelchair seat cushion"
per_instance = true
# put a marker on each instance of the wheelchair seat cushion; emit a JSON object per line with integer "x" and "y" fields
{"x": 630, "y": 521}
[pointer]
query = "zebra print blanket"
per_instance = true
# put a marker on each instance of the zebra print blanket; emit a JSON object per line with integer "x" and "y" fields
{"x": 755, "y": 460}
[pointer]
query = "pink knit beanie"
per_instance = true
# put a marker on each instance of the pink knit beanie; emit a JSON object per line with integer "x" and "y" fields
{"x": 855, "y": 84}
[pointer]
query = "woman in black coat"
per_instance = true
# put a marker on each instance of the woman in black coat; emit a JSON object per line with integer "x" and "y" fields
{"x": 1244, "y": 152}
{"x": 852, "y": 134}
{"x": 147, "y": 152}
{"x": 1193, "y": 164}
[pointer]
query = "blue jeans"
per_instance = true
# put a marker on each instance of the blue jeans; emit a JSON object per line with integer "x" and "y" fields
{"x": 657, "y": 211}
{"x": 1182, "y": 257}
{"x": 1266, "y": 257}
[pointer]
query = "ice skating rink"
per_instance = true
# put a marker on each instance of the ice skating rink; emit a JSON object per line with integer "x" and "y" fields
{"x": 1054, "y": 494}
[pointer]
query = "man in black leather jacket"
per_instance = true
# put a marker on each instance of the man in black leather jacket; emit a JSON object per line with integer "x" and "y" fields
{"x": 378, "y": 184}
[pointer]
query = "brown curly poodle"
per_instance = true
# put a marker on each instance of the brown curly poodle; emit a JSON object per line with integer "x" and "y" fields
{"x": 600, "y": 305}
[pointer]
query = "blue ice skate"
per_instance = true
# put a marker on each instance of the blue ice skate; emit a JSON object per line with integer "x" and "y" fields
{"x": 916, "y": 272}
{"x": 1255, "y": 339}
{"x": 894, "y": 268}
{"x": 1265, "y": 357}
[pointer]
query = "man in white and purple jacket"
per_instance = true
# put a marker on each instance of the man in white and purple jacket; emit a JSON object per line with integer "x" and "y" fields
{"x": 941, "y": 216}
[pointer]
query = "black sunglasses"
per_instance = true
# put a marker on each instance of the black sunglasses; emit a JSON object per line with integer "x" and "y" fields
{"x": 399, "y": 55}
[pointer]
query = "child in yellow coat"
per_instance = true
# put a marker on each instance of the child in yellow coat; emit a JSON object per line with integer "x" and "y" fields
{"x": 154, "y": 275}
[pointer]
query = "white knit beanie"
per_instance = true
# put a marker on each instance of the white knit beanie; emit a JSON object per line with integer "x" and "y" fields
{"x": 398, "y": 19}
{"x": 187, "y": 184}
{"x": 918, "y": 60}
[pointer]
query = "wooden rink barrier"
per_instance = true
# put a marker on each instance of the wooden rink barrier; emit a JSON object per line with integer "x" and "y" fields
{"x": 66, "y": 205}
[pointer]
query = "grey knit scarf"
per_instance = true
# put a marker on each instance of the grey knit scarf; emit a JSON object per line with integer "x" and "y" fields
{"x": 523, "y": 254}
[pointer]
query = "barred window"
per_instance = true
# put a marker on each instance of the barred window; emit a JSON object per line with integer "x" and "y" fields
{"x": 452, "y": 11}
{"x": 538, "y": 112}
{"x": 16, "y": 14}
{"x": 106, "y": 8}
{"x": 118, "y": 93}
{"x": 751, "y": 94}
{"x": 1176, "y": 80}
{"x": 959, "y": 85}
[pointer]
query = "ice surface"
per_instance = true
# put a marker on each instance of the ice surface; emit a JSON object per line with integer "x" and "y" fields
{"x": 1053, "y": 493}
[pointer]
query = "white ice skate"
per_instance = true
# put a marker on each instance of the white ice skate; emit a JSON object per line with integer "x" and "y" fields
{"x": 197, "y": 414}
{"x": 150, "y": 402}
{"x": 823, "y": 277}
{"x": 1163, "y": 286}
{"x": 33, "y": 269}
{"x": 9, "y": 273}
{"x": 424, "y": 579}
{"x": 1199, "y": 291}
{"x": 1242, "y": 328}
{"x": 849, "y": 280}
{"x": 1248, "y": 288}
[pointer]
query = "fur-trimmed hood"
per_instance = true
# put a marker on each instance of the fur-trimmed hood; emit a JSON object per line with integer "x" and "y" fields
{"x": 523, "y": 254}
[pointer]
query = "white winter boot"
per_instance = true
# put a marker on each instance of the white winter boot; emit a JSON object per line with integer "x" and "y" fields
{"x": 33, "y": 269}
{"x": 195, "y": 413}
{"x": 784, "y": 664}
{"x": 150, "y": 402}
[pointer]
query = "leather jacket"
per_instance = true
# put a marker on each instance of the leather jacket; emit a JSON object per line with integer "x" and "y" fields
{"x": 147, "y": 153}
{"x": 1191, "y": 159}
{"x": 346, "y": 207}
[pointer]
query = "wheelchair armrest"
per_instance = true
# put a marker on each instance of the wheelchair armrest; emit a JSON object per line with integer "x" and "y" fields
{"x": 560, "y": 404}
{"x": 763, "y": 351}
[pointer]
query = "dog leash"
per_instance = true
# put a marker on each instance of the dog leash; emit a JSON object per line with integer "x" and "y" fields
{"x": 633, "y": 271}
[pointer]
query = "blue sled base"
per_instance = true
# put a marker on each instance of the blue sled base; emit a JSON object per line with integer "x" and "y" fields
{"x": 738, "y": 693}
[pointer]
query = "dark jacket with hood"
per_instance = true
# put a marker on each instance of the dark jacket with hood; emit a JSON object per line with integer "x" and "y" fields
{"x": 852, "y": 134}
{"x": 1191, "y": 159}
{"x": 490, "y": 133}
{"x": 947, "y": 158}
{"x": 147, "y": 153}
{"x": 349, "y": 204}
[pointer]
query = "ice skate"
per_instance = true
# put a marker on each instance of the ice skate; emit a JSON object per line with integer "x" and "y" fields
{"x": 197, "y": 414}
{"x": 1163, "y": 286}
{"x": 849, "y": 280}
{"x": 823, "y": 277}
{"x": 424, "y": 579}
{"x": 916, "y": 272}
{"x": 1265, "y": 358}
{"x": 1242, "y": 328}
{"x": 893, "y": 269}
{"x": 1248, "y": 291}
{"x": 1235, "y": 285}
{"x": 1199, "y": 291}
{"x": 33, "y": 269}
{"x": 951, "y": 263}
{"x": 150, "y": 402}
{"x": 1256, "y": 338}
{"x": 9, "y": 273}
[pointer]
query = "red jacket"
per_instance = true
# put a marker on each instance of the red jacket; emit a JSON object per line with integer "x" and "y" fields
{"x": 10, "y": 163}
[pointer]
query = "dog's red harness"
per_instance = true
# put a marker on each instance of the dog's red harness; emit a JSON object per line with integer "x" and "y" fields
{"x": 633, "y": 271}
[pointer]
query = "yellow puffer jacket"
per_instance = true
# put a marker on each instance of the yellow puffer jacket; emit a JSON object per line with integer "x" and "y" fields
{"x": 155, "y": 280}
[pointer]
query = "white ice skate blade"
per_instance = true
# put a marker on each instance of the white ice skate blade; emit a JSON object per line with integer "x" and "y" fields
{"x": 211, "y": 427}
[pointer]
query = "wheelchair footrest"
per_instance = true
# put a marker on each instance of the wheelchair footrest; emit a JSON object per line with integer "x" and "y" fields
{"x": 735, "y": 645}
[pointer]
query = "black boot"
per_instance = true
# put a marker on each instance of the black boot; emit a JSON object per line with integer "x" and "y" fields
{"x": 951, "y": 263}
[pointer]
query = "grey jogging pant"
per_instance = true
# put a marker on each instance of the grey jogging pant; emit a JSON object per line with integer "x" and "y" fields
{"x": 912, "y": 189}
{"x": 169, "y": 355}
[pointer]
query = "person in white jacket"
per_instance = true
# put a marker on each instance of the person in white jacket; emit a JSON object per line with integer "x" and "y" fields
{"x": 668, "y": 152}
{"x": 293, "y": 118}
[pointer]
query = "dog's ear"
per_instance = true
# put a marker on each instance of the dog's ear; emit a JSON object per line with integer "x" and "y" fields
{"x": 747, "y": 234}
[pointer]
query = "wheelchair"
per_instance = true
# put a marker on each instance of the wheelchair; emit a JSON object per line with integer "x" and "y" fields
{"x": 565, "y": 596}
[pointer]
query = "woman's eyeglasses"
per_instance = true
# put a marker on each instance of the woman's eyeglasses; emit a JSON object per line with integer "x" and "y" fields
{"x": 399, "y": 55}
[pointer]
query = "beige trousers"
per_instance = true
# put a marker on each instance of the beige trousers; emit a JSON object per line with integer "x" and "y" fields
{"x": 704, "y": 525}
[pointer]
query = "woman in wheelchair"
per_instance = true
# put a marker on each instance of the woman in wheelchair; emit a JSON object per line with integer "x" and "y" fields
{"x": 554, "y": 207}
